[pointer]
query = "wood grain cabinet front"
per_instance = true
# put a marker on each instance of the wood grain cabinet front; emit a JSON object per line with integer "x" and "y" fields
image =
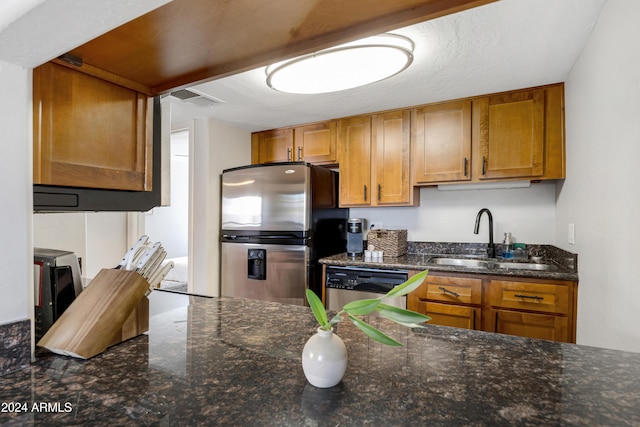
{"x": 511, "y": 134}
{"x": 449, "y": 301}
{"x": 441, "y": 137}
{"x": 534, "y": 308}
{"x": 385, "y": 157}
{"x": 272, "y": 146}
{"x": 519, "y": 135}
{"x": 375, "y": 160}
{"x": 354, "y": 148}
{"x": 89, "y": 132}
{"x": 314, "y": 143}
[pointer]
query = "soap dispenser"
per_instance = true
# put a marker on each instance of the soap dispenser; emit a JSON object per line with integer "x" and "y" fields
{"x": 507, "y": 246}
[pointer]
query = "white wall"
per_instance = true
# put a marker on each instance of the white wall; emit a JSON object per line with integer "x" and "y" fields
{"x": 170, "y": 224}
{"x": 16, "y": 193}
{"x": 449, "y": 216}
{"x": 100, "y": 238}
{"x": 217, "y": 146}
{"x": 601, "y": 195}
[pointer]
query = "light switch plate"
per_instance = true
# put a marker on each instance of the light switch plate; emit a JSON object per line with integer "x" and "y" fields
{"x": 572, "y": 234}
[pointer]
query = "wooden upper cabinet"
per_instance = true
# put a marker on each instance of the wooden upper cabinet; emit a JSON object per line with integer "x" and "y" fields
{"x": 354, "y": 141}
{"x": 375, "y": 160}
{"x": 90, "y": 132}
{"x": 511, "y": 134}
{"x": 505, "y": 136}
{"x": 441, "y": 135}
{"x": 272, "y": 146}
{"x": 316, "y": 143}
{"x": 391, "y": 163}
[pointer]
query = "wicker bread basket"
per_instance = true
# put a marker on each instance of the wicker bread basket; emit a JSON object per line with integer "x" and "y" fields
{"x": 392, "y": 242}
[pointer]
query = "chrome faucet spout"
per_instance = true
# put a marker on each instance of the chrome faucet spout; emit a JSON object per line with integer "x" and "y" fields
{"x": 491, "y": 250}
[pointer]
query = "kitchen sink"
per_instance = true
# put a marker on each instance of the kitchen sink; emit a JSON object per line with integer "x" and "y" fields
{"x": 524, "y": 266}
{"x": 483, "y": 263}
{"x": 460, "y": 262}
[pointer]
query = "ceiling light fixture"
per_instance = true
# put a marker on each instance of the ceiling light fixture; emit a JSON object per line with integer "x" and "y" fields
{"x": 343, "y": 67}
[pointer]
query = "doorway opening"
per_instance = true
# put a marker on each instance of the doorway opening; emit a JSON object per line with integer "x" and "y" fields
{"x": 170, "y": 224}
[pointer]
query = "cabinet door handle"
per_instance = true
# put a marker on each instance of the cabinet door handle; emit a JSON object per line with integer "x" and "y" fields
{"x": 379, "y": 192}
{"x": 465, "y": 166}
{"x": 473, "y": 313}
{"x": 535, "y": 297}
{"x": 365, "y": 192}
{"x": 300, "y": 153}
{"x": 289, "y": 154}
{"x": 447, "y": 291}
{"x": 484, "y": 162}
{"x": 495, "y": 328}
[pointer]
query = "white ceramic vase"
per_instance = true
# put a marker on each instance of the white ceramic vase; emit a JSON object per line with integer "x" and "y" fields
{"x": 324, "y": 359}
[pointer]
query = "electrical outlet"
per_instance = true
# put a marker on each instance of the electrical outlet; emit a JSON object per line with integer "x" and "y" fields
{"x": 572, "y": 234}
{"x": 377, "y": 225}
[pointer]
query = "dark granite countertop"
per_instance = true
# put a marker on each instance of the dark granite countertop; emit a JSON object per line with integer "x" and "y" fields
{"x": 234, "y": 362}
{"x": 564, "y": 263}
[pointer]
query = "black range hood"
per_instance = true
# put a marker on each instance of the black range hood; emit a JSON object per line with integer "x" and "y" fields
{"x": 70, "y": 199}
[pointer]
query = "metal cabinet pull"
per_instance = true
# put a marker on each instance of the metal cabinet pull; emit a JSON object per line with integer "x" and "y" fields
{"x": 365, "y": 192}
{"x": 289, "y": 158}
{"x": 447, "y": 291}
{"x": 473, "y": 313}
{"x": 466, "y": 161}
{"x": 495, "y": 328}
{"x": 535, "y": 297}
{"x": 484, "y": 162}
{"x": 300, "y": 153}
{"x": 379, "y": 191}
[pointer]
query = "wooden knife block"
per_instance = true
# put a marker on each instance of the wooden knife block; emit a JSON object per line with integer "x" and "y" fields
{"x": 112, "y": 309}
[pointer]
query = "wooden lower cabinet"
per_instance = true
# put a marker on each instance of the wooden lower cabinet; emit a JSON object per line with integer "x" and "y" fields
{"x": 534, "y": 308}
{"x": 449, "y": 301}
{"x": 457, "y": 316}
{"x": 532, "y": 325}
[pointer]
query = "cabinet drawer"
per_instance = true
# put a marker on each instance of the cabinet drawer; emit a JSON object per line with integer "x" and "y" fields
{"x": 532, "y": 325}
{"x": 456, "y": 316}
{"x": 451, "y": 289}
{"x": 542, "y": 297}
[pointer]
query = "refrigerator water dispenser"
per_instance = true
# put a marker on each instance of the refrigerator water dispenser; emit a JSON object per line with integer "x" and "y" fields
{"x": 257, "y": 264}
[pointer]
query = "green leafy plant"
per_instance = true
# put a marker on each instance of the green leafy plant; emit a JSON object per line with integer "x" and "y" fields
{"x": 364, "y": 307}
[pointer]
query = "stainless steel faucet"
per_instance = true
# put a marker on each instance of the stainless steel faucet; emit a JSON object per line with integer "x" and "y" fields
{"x": 491, "y": 249}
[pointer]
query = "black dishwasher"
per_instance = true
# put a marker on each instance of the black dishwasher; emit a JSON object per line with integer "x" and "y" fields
{"x": 346, "y": 284}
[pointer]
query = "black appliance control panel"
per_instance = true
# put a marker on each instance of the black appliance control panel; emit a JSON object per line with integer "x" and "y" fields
{"x": 364, "y": 279}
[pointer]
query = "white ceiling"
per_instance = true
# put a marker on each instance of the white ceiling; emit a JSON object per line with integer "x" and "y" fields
{"x": 509, "y": 44}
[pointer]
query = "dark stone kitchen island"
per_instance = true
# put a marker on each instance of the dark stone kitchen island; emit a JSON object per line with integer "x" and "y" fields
{"x": 237, "y": 362}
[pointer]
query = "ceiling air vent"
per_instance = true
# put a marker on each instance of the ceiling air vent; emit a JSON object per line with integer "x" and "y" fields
{"x": 197, "y": 98}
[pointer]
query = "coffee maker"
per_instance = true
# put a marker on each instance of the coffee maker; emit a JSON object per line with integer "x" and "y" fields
{"x": 354, "y": 236}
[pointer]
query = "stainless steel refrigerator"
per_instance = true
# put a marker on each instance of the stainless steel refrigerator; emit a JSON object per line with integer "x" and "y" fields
{"x": 277, "y": 220}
